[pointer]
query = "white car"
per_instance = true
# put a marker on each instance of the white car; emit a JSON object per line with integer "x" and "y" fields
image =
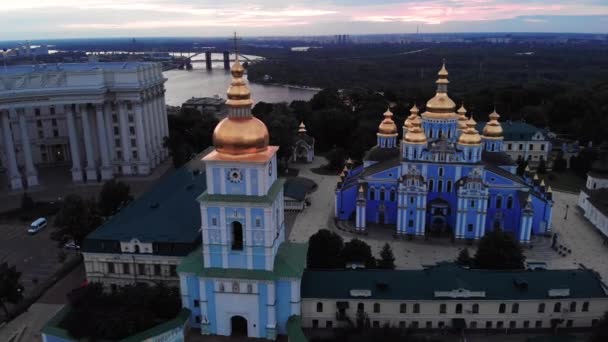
{"x": 71, "y": 245}
{"x": 37, "y": 225}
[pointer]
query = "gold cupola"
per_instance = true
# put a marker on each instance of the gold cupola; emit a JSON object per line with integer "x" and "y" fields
{"x": 240, "y": 133}
{"x": 415, "y": 134}
{"x": 462, "y": 118}
{"x": 470, "y": 136}
{"x": 407, "y": 124}
{"x": 387, "y": 126}
{"x": 493, "y": 129}
{"x": 441, "y": 105}
{"x": 302, "y": 128}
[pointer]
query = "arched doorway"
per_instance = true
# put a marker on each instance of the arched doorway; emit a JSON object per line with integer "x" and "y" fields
{"x": 237, "y": 236}
{"x": 238, "y": 326}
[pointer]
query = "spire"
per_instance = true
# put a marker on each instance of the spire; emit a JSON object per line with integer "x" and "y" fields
{"x": 415, "y": 134}
{"x": 387, "y": 126}
{"x": 442, "y": 82}
{"x": 407, "y": 124}
{"x": 441, "y": 105}
{"x": 493, "y": 129}
{"x": 462, "y": 118}
{"x": 470, "y": 136}
{"x": 239, "y": 95}
{"x": 302, "y": 128}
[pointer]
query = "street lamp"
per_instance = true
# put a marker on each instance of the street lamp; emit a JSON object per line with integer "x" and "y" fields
{"x": 566, "y": 215}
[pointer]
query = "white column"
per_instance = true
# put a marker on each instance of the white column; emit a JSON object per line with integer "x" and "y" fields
{"x": 143, "y": 156}
{"x": 159, "y": 118}
{"x": 91, "y": 168}
{"x": 106, "y": 167}
{"x": 30, "y": 170}
{"x": 153, "y": 128}
{"x": 74, "y": 144}
{"x": 13, "y": 170}
{"x": 109, "y": 130}
{"x": 147, "y": 132}
{"x": 125, "y": 141}
{"x": 271, "y": 306}
{"x": 164, "y": 122}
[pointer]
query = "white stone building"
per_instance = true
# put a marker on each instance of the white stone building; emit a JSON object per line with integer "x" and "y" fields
{"x": 104, "y": 119}
{"x": 593, "y": 199}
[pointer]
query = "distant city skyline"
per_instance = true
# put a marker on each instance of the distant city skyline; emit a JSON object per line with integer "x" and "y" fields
{"x": 36, "y": 19}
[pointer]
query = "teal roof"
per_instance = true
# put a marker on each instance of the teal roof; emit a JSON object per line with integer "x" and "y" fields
{"x": 515, "y": 130}
{"x": 289, "y": 262}
{"x": 422, "y": 284}
{"x": 167, "y": 213}
{"x": 294, "y": 329}
{"x": 269, "y": 198}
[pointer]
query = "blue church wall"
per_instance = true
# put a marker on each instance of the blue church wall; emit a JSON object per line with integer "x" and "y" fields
{"x": 237, "y": 259}
{"x": 235, "y": 188}
{"x": 283, "y": 303}
{"x": 194, "y": 291}
{"x": 257, "y": 213}
{"x": 215, "y": 254}
{"x": 259, "y": 258}
{"x": 210, "y": 291}
{"x": 347, "y": 202}
{"x": 254, "y": 181}
{"x": 212, "y": 213}
{"x": 217, "y": 180}
{"x": 262, "y": 308}
{"x": 510, "y": 219}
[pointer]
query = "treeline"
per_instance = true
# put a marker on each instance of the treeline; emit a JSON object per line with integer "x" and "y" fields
{"x": 564, "y": 87}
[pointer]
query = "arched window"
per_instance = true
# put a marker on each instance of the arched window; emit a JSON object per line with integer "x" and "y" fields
{"x": 319, "y": 307}
{"x": 449, "y": 186}
{"x": 442, "y": 308}
{"x": 499, "y": 202}
{"x": 136, "y": 249}
{"x": 382, "y": 194}
{"x": 431, "y": 132}
{"x": 458, "y": 308}
{"x": 403, "y": 308}
{"x": 415, "y": 153}
{"x": 377, "y": 307}
{"x": 475, "y": 308}
{"x": 573, "y": 307}
{"x": 372, "y": 194}
{"x": 557, "y": 307}
{"x": 392, "y": 195}
{"x": 237, "y": 236}
{"x": 431, "y": 185}
{"x": 509, "y": 202}
{"x": 360, "y": 307}
{"x": 470, "y": 155}
{"x": 449, "y": 133}
{"x": 440, "y": 172}
{"x": 515, "y": 308}
{"x": 236, "y": 288}
{"x": 440, "y": 186}
{"x": 502, "y": 308}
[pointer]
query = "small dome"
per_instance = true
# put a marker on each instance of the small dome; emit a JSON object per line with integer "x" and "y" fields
{"x": 470, "y": 136}
{"x": 413, "y": 113}
{"x": 387, "y": 126}
{"x": 493, "y": 129}
{"x": 415, "y": 135}
{"x": 240, "y": 136}
{"x": 302, "y": 128}
{"x": 462, "y": 118}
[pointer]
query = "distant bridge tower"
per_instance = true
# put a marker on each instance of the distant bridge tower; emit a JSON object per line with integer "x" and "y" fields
{"x": 208, "y": 59}
{"x": 226, "y": 60}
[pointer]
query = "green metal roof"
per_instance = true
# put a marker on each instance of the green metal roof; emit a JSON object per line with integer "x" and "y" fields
{"x": 515, "y": 130}
{"x": 422, "y": 284}
{"x": 269, "y": 198}
{"x": 294, "y": 329}
{"x": 289, "y": 262}
{"x": 166, "y": 213}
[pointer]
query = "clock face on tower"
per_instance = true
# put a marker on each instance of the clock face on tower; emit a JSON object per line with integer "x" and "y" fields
{"x": 270, "y": 169}
{"x": 235, "y": 175}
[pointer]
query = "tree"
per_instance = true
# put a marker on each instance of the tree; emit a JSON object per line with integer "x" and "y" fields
{"x": 11, "y": 290}
{"x": 336, "y": 158}
{"x": 113, "y": 195}
{"x": 387, "y": 259}
{"x": 559, "y": 164}
{"x": 357, "y": 251}
{"x": 600, "y": 331}
{"x": 542, "y": 167}
{"x": 498, "y": 250}
{"x": 190, "y": 132}
{"x": 464, "y": 258}
{"x": 27, "y": 203}
{"x": 76, "y": 219}
{"x": 521, "y": 166}
{"x": 324, "y": 250}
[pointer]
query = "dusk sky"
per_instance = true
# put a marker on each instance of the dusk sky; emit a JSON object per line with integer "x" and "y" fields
{"x": 35, "y": 19}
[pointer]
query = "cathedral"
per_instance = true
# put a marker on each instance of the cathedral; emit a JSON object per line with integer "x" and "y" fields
{"x": 442, "y": 178}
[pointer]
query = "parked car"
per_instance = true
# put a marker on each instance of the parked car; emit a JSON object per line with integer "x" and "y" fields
{"x": 37, "y": 225}
{"x": 71, "y": 245}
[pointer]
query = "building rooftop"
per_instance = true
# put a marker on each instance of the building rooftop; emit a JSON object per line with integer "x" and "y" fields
{"x": 599, "y": 199}
{"x": 515, "y": 130}
{"x": 450, "y": 281}
{"x": 205, "y": 101}
{"x": 167, "y": 213}
{"x": 72, "y": 67}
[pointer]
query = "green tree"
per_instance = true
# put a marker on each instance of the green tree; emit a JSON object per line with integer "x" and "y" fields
{"x": 498, "y": 250}
{"x": 190, "y": 132}
{"x": 27, "y": 203}
{"x": 11, "y": 290}
{"x": 542, "y": 167}
{"x": 76, "y": 219}
{"x": 324, "y": 250}
{"x": 521, "y": 166}
{"x": 357, "y": 251}
{"x": 600, "y": 331}
{"x": 113, "y": 195}
{"x": 336, "y": 158}
{"x": 387, "y": 259}
{"x": 464, "y": 258}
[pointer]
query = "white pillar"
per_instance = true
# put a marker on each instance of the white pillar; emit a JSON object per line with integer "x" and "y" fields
{"x": 106, "y": 167}
{"x": 91, "y": 168}
{"x": 74, "y": 144}
{"x": 164, "y": 121}
{"x": 153, "y": 128}
{"x": 13, "y": 170}
{"x": 30, "y": 170}
{"x": 143, "y": 156}
{"x": 125, "y": 141}
{"x": 147, "y": 132}
{"x": 159, "y": 118}
{"x": 109, "y": 130}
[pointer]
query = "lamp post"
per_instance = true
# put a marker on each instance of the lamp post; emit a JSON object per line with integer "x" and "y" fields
{"x": 566, "y": 215}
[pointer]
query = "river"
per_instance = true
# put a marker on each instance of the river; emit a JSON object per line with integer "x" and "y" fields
{"x": 182, "y": 85}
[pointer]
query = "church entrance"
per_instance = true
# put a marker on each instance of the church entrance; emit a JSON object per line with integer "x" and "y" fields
{"x": 238, "y": 326}
{"x": 439, "y": 211}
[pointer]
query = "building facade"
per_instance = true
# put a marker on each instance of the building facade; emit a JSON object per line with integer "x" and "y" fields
{"x": 442, "y": 178}
{"x": 593, "y": 199}
{"x": 245, "y": 280}
{"x": 102, "y": 119}
{"x": 303, "y": 146}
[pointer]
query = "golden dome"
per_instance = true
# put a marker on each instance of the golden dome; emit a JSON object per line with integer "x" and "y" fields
{"x": 302, "y": 128}
{"x": 415, "y": 135}
{"x": 441, "y": 105}
{"x": 408, "y": 121}
{"x": 470, "y": 136}
{"x": 240, "y": 133}
{"x": 387, "y": 126}
{"x": 462, "y": 118}
{"x": 493, "y": 129}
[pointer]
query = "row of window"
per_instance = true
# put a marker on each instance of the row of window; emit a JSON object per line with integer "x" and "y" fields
{"x": 557, "y": 307}
{"x": 140, "y": 269}
{"x": 521, "y": 147}
{"x": 539, "y": 324}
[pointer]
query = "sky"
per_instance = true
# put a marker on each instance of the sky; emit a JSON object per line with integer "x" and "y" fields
{"x": 39, "y": 19}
